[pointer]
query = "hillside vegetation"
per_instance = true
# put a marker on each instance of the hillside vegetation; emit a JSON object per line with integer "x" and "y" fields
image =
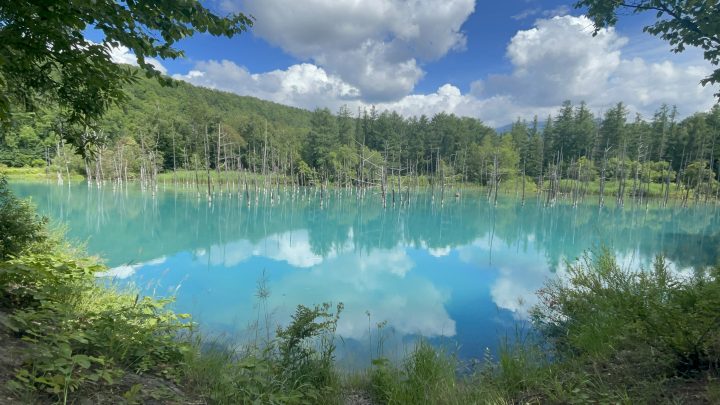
{"x": 183, "y": 127}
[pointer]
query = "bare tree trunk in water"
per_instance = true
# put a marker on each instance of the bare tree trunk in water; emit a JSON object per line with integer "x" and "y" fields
{"x": 207, "y": 163}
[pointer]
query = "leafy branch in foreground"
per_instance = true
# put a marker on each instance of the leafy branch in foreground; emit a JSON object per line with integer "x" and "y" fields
{"x": 44, "y": 51}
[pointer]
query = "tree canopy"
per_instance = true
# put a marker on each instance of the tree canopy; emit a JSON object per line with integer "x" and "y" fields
{"x": 682, "y": 23}
{"x": 45, "y": 55}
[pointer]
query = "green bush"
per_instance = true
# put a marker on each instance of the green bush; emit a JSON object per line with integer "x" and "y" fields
{"x": 306, "y": 346}
{"x": 82, "y": 334}
{"x": 645, "y": 323}
{"x": 38, "y": 163}
{"x": 297, "y": 367}
{"x": 20, "y": 226}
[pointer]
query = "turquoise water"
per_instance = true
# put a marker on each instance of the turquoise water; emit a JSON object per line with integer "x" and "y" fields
{"x": 462, "y": 274}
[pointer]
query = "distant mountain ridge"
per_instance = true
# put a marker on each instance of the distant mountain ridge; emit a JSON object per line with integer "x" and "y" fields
{"x": 508, "y": 127}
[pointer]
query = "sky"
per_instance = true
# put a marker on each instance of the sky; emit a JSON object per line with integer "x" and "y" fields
{"x": 496, "y": 61}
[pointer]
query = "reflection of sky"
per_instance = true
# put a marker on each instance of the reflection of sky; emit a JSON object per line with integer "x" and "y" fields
{"x": 291, "y": 247}
{"x": 470, "y": 294}
{"x": 519, "y": 274}
{"x": 462, "y": 274}
{"x": 454, "y": 296}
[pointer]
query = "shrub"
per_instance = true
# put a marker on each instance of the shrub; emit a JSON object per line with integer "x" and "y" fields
{"x": 297, "y": 367}
{"x": 637, "y": 323}
{"x": 20, "y": 226}
{"x": 82, "y": 334}
{"x": 38, "y": 163}
{"x": 306, "y": 346}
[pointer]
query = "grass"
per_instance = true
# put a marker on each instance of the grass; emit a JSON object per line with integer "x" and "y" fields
{"x": 186, "y": 179}
{"x": 35, "y": 174}
{"x": 602, "y": 334}
{"x": 653, "y": 190}
{"x": 189, "y": 176}
{"x": 85, "y": 338}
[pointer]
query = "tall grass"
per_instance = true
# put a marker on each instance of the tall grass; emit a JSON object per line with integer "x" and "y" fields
{"x": 36, "y": 174}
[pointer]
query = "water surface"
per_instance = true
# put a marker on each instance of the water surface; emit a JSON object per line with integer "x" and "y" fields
{"x": 461, "y": 274}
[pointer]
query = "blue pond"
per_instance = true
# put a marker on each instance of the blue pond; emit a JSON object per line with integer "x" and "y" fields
{"x": 461, "y": 274}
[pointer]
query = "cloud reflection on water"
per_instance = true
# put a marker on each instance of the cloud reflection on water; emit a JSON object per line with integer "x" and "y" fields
{"x": 379, "y": 282}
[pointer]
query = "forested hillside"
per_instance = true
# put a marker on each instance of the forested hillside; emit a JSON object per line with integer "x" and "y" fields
{"x": 152, "y": 113}
{"x": 185, "y": 127}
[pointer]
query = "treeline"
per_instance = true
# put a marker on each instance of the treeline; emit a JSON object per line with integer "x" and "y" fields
{"x": 211, "y": 133}
{"x": 634, "y": 154}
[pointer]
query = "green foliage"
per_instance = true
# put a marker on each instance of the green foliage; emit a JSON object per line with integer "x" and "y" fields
{"x": 698, "y": 173}
{"x": 518, "y": 370}
{"x": 306, "y": 347}
{"x": 642, "y": 323}
{"x": 323, "y": 138}
{"x": 613, "y": 130}
{"x": 44, "y": 52}
{"x": 427, "y": 376}
{"x": 218, "y": 377}
{"x": 36, "y": 174}
{"x": 20, "y": 226}
{"x": 81, "y": 333}
{"x": 297, "y": 367}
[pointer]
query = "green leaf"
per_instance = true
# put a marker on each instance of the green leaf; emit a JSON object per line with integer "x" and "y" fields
{"x": 82, "y": 360}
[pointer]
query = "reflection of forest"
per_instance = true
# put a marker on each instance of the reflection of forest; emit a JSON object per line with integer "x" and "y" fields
{"x": 134, "y": 227}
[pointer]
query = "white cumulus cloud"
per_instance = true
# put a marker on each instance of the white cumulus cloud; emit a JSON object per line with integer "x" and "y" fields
{"x": 303, "y": 85}
{"x": 121, "y": 54}
{"x": 374, "y": 45}
{"x": 557, "y": 59}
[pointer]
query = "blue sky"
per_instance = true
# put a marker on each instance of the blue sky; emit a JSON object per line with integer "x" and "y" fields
{"x": 495, "y": 61}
